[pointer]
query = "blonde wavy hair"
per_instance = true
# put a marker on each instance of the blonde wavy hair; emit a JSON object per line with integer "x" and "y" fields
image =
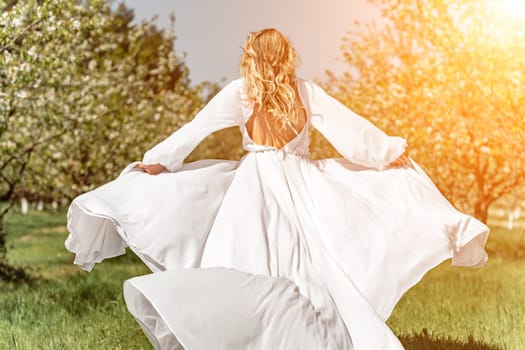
{"x": 268, "y": 67}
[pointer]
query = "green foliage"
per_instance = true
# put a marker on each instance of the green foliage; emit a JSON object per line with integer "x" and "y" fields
{"x": 83, "y": 92}
{"x": 448, "y": 76}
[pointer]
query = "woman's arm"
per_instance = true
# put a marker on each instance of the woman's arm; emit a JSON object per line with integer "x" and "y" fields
{"x": 357, "y": 139}
{"x": 222, "y": 111}
{"x": 152, "y": 169}
{"x": 403, "y": 160}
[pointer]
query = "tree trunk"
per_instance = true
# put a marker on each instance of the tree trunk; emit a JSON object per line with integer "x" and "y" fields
{"x": 481, "y": 210}
{"x": 2, "y": 240}
{"x": 9, "y": 273}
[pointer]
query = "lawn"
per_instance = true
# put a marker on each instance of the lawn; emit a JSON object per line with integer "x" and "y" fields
{"x": 67, "y": 308}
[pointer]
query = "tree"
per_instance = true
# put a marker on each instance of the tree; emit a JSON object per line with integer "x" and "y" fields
{"x": 448, "y": 76}
{"x": 83, "y": 92}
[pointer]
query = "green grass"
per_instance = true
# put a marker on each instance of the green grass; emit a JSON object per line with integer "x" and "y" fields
{"x": 64, "y": 307}
{"x": 67, "y": 308}
{"x": 453, "y": 308}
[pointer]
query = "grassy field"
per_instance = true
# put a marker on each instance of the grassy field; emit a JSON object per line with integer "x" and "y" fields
{"x": 66, "y": 308}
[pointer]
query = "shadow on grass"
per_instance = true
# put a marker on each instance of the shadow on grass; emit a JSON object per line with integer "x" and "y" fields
{"x": 426, "y": 341}
{"x": 13, "y": 274}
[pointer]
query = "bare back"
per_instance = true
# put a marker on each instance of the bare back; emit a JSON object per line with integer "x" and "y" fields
{"x": 264, "y": 129}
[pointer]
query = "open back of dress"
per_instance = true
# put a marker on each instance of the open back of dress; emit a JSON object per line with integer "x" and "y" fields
{"x": 264, "y": 129}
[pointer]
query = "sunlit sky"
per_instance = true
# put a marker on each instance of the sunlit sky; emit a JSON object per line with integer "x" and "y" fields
{"x": 211, "y": 32}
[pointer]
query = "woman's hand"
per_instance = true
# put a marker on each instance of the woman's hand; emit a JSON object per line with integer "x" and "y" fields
{"x": 152, "y": 169}
{"x": 403, "y": 160}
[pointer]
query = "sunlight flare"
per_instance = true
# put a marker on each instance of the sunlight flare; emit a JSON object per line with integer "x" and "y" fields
{"x": 515, "y": 8}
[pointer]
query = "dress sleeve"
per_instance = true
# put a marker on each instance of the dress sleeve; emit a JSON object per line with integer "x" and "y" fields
{"x": 357, "y": 139}
{"x": 222, "y": 111}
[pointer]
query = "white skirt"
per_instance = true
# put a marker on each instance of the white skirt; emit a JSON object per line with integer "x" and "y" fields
{"x": 348, "y": 241}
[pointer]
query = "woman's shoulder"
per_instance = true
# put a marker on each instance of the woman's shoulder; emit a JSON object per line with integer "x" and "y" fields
{"x": 311, "y": 88}
{"x": 236, "y": 83}
{"x": 240, "y": 80}
{"x": 304, "y": 81}
{"x": 309, "y": 85}
{"x": 233, "y": 88}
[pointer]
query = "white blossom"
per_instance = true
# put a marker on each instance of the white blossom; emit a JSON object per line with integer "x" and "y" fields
{"x": 92, "y": 65}
{"x": 32, "y": 51}
{"x": 485, "y": 149}
{"x": 21, "y": 94}
{"x": 17, "y": 22}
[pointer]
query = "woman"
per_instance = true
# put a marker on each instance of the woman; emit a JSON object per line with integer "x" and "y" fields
{"x": 274, "y": 250}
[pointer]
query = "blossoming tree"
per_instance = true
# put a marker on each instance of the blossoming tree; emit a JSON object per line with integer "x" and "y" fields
{"x": 83, "y": 92}
{"x": 449, "y": 76}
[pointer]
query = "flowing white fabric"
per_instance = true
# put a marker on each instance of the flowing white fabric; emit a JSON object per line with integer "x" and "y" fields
{"x": 227, "y": 309}
{"x": 352, "y": 235}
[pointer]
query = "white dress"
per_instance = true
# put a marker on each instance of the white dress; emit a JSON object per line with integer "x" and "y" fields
{"x": 274, "y": 251}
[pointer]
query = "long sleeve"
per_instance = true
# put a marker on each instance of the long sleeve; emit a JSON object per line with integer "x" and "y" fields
{"x": 357, "y": 139}
{"x": 222, "y": 111}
